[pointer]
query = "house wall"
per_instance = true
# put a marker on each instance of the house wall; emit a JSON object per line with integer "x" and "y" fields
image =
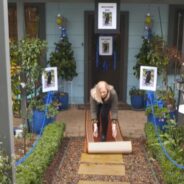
{"x": 74, "y": 13}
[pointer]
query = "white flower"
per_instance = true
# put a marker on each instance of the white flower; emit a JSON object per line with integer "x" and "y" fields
{"x": 23, "y": 85}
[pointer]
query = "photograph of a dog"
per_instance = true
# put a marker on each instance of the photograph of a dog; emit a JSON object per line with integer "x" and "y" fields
{"x": 148, "y": 78}
{"x": 49, "y": 79}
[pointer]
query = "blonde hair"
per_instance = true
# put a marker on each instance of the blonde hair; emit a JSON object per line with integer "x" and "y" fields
{"x": 102, "y": 84}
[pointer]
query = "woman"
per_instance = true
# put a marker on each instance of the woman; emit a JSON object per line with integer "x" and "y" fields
{"x": 103, "y": 99}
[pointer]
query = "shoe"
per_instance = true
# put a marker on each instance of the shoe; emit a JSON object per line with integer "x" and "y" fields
{"x": 103, "y": 138}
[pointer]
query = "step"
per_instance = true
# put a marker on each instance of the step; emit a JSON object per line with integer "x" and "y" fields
{"x": 102, "y": 158}
{"x": 100, "y": 182}
{"x": 102, "y": 169}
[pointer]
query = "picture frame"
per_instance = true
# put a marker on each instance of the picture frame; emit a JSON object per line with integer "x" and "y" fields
{"x": 148, "y": 78}
{"x": 49, "y": 79}
{"x": 107, "y": 16}
{"x": 105, "y": 45}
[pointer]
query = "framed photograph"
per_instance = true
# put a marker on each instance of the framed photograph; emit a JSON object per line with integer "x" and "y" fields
{"x": 105, "y": 45}
{"x": 49, "y": 79}
{"x": 107, "y": 16}
{"x": 148, "y": 78}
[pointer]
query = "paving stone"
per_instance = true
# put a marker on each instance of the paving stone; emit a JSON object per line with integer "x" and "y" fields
{"x": 100, "y": 182}
{"x": 102, "y": 169}
{"x": 102, "y": 158}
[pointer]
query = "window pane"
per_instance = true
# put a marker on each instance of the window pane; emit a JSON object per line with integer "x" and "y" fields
{"x": 12, "y": 17}
{"x": 32, "y": 21}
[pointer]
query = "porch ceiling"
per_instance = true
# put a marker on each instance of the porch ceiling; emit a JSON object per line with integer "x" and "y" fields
{"x": 122, "y": 1}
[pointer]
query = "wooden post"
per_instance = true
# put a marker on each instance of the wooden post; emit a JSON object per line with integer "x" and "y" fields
{"x": 6, "y": 116}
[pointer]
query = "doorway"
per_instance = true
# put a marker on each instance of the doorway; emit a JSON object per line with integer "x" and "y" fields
{"x": 109, "y": 67}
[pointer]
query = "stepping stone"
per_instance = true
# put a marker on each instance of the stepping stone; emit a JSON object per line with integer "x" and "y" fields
{"x": 102, "y": 158}
{"x": 102, "y": 169}
{"x": 100, "y": 182}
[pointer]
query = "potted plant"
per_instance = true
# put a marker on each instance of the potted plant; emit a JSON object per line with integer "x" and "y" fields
{"x": 41, "y": 113}
{"x": 168, "y": 99}
{"x": 26, "y": 69}
{"x": 161, "y": 115}
{"x": 137, "y": 98}
{"x": 26, "y": 57}
{"x": 63, "y": 58}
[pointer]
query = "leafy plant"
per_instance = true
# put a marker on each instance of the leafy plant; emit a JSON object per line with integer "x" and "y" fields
{"x": 5, "y": 168}
{"x": 171, "y": 174}
{"x": 26, "y": 66}
{"x": 159, "y": 112}
{"x": 63, "y": 59}
{"x": 151, "y": 53}
{"x": 168, "y": 97}
{"x": 38, "y": 103}
{"x": 136, "y": 91}
{"x": 174, "y": 138}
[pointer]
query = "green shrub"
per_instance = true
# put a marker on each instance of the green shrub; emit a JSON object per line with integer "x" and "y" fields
{"x": 5, "y": 168}
{"x": 158, "y": 111}
{"x": 136, "y": 92}
{"x": 171, "y": 174}
{"x": 31, "y": 171}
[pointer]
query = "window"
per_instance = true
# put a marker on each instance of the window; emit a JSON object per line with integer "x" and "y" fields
{"x": 175, "y": 28}
{"x": 34, "y": 20}
{"x": 175, "y": 31}
{"x": 12, "y": 17}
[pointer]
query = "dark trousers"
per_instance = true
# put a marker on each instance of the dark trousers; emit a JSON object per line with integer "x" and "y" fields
{"x": 103, "y": 117}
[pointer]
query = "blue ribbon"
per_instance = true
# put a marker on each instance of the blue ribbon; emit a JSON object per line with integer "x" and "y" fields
{"x": 63, "y": 33}
{"x": 97, "y": 53}
{"x": 105, "y": 66}
{"x": 114, "y": 60}
{"x": 114, "y": 54}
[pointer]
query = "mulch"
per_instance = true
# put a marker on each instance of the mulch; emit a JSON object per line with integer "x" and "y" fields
{"x": 139, "y": 168}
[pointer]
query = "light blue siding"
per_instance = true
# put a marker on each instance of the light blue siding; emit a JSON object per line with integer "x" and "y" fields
{"x": 74, "y": 14}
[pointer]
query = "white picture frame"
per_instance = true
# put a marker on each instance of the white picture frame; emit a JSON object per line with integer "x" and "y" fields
{"x": 105, "y": 45}
{"x": 107, "y": 15}
{"x": 148, "y": 78}
{"x": 49, "y": 79}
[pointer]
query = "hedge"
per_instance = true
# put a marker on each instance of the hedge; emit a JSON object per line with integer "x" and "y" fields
{"x": 171, "y": 174}
{"x": 32, "y": 170}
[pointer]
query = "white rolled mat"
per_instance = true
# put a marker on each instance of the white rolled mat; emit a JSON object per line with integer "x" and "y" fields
{"x": 110, "y": 147}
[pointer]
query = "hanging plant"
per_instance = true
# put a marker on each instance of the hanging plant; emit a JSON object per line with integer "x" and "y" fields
{"x": 151, "y": 53}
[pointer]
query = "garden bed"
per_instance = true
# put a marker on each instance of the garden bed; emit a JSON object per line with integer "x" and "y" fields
{"x": 22, "y": 146}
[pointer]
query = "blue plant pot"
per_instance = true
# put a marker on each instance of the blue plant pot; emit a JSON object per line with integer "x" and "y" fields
{"x": 52, "y": 98}
{"x": 137, "y": 101}
{"x": 63, "y": 99}
{"x": 173, "y": 114}
{"x": 36, "y": 123}
{"x": 160, "y": 122}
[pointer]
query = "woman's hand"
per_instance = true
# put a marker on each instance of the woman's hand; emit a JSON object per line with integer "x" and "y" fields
{"x": 114, "y": 127}
{"x": 95, "y": 130}
{"x": 114, "y": 130}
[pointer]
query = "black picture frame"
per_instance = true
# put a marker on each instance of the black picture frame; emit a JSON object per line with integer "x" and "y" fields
{"x": 105, "y": 45}
{"x": 107, "y": 16}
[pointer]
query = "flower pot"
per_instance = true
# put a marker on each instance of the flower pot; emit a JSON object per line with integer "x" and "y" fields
{"x": 63, "y": 99}
{"x": 36, "y": 123}
{"x": 160, "y": 122}
{"x": 137, "y": 101}
{"x": 173, "y": 114}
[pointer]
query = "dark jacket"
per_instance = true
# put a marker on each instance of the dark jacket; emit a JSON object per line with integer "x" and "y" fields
{"x": 95, "y": 100}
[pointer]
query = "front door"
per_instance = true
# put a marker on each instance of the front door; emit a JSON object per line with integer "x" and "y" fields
{"x": 103, "y": 61}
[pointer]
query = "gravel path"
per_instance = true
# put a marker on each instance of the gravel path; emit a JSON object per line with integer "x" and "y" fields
{"x": 64, "y": 168}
